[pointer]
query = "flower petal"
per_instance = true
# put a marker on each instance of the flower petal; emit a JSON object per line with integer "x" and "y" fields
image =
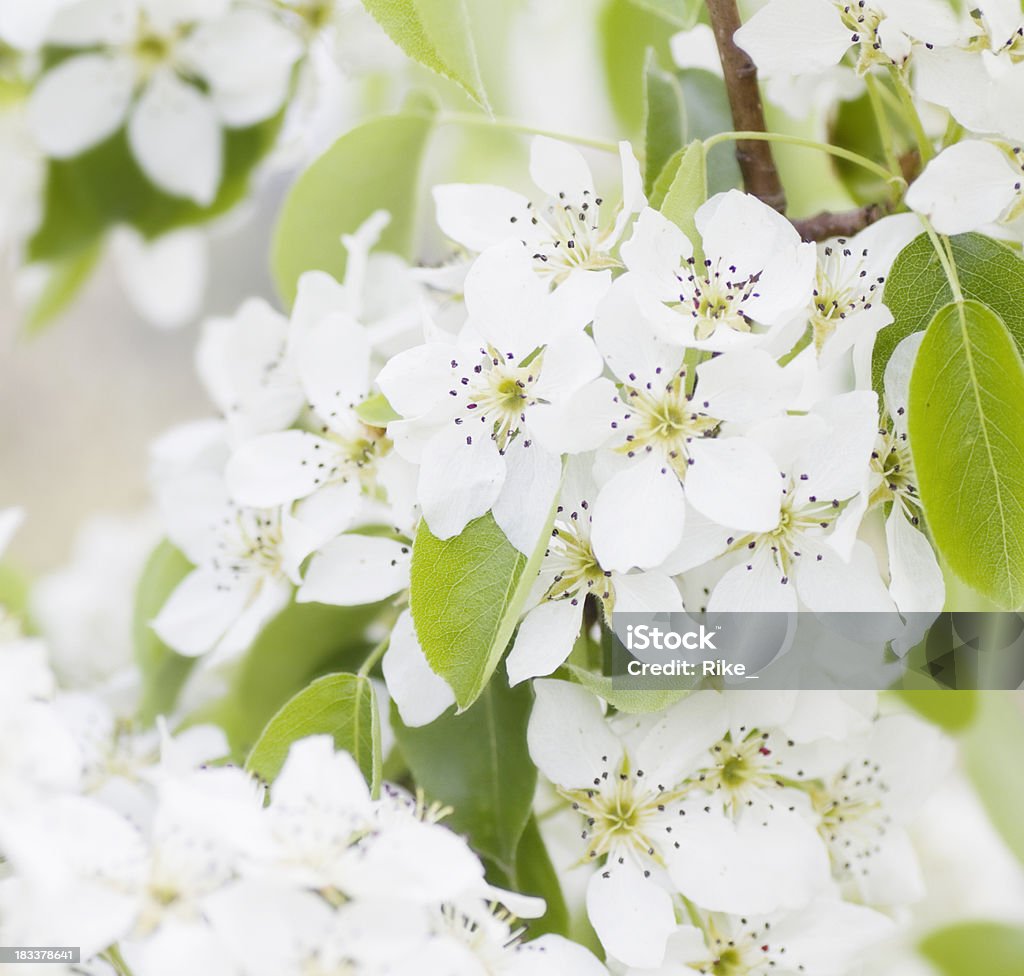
{"x": 545, "y": 639}
{"x": 734, "y": 482}
{"x": 79, "y": 103}
{"x": 356, "y": 569}
{"x": 531, "y": 484}
{"x": 558, "y": 168}
{"x": 478, "y": 216}
{"x": 176, "y": 138}
{"x": 419, "y": 693}
{"x": 790, "y": 37}
{"x": 199, "y": 612}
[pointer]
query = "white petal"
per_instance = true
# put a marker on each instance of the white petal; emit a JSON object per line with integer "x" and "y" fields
{"x": 569, "y": 739}
{"x": 836, "y": 462}
{"x": 531, "y": 484}
{"x": 633, "y": 199}
{"x": 671, "y": 750}
{"x": 770, "y": 860}
{"x": 93, "y": 23}
{"x": 420, "y": 694}
{"x": 319, "y": 295}
{"x": 176, "y": 138}
{"x": 957, "y": 202}
{"x": 10, "y": 521}
{"x": 582, "y": 422}
{"x": 569, "y": 362}
{"x": 646, "y": 593}
{"x": 247, "y": 58}
{"x": 915, "y": 579}
{"x": 277, "y": 468}
{"x": 638, "y": 517}
{"x": 545, "y": 639}
{"x": 198, "y": 612}
{"x": 552, "y": 955}
{"x": 897, "y": 379}
{"x": 80, "y": 103}
{"x": 655, "y": 252}
{"x": 24, "y": 25}
{"x": 264, "y": 602}
{"x": 478, "y": 216}
{"x": 164, "y": 279}
{"x": 332, "y": 360}
{"x": 461, "y": 476}
{"x": 557, "y": 167}
{"x": 734, "y": 482}
{"x": 790, "y": 37}
{"x": 744, "y": 385}
{"x": 356, "y": 569}
{"x": 754, "y": 586}
{"x": 832, "y": 585}
{"x": 632, "y": 916}
{"x": 414, "y": 380}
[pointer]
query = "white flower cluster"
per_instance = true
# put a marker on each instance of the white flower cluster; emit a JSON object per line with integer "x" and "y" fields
{"x": 745, "y": 833}
{"x": 126, "y": 844}
{"x": 708, "y": 399}
{"x": 970, "y": 64}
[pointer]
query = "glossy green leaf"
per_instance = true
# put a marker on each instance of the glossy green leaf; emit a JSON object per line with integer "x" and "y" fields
{"x": 65, "y": 279}
{"x": 707, "y": 113}
{"x": 626, "y": 700}
{"x": 664, "y": 120}
{"x": 305, "y": 641}
{"x": 917, "y": 288}
{"x": 991, "y": 750}
{"x": 84, "y": 197}
{"x": 466, "y": 595}
{"x": 976, "y": 949}
{"x": 375, "y": 166}
{"x": 436, "y": 34}
{"x": 966, "y": 423}
{"x": 478, "y": 763}
{"x": 163, "y": 671}
{"x": 339, "y": 705}
{"x": 687, "y": 191}
{"x": 950, "y": 710}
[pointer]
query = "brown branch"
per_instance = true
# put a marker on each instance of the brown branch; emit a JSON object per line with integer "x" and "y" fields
{"x": 846, "y": 223}
{"x": 757, "y": 164}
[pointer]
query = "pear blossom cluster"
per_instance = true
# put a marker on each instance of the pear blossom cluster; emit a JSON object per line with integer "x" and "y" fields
{"x": 677, "y": 421}
{"x": 147, "y": 851}
{"x": 969, "y": 64}
{"x": 740, "y": 832}
{"x": 177, "y": 78}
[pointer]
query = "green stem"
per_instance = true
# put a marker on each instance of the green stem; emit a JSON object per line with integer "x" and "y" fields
{"x": 906, "y": 97}
{"x": 885, "y": 132}
{"x": 944, "y": 252}
{"x": 373, "y": 657}
{"x": 508, "y": 125}
{"x": 806, "y": 337}
{"x": 868, "y": 164}
{"x": 116, "y": 960}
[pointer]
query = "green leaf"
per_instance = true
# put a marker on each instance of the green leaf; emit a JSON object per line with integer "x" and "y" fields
{"x": 340, "y": 705}
{"x": 305, "y": 641}
{"x": 687, "y": 191}
{"x": 950, "y": 710}
{"x": 991, "y": 750}
{"x": 478, "y": 763}
{"x": 465, "y": 596}
{"x": 376, "y": 411}
{"x": 65, "y": 279}
{"x": 917, "y": 288}
{"x": 664, "y": 120}
{"x": 681, "y": 14}
{"x": 536, "y": 875}
{"x": 375, "y": 166}
{"x": 86, "y": 196}
{"x": 631, "y": 702}
{"x": 435, "y": 33}
{"x": 966, "y": 424}
{"x": 163, "y": 671}
{"x": 627, "y": 31}
{"x": 976, "y": 949}
{"x": 707, "y": 113}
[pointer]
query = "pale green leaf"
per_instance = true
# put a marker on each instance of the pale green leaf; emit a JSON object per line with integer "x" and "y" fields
{"x": 687, "y": 191}
{"x": 375, "y": 166}
{"x": 633, "y": 702}
{"x": 466, "y": 595}
{"x": 681, "y": 14}
{"x": 436, "y": 34}
{"x": 65, "y": 278}
{"x": 339, "y": 705}
{"x": 163, "y": 672}
{"x": 478, "y": 763}
{"x": 376, "y": 411}
{"x": 976, "y": 949}
{"x": 966, "y": 422}
{"x": 916, "y": 289}
{"x": 991, "y": 749}
{"x": 664, "y": 120}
